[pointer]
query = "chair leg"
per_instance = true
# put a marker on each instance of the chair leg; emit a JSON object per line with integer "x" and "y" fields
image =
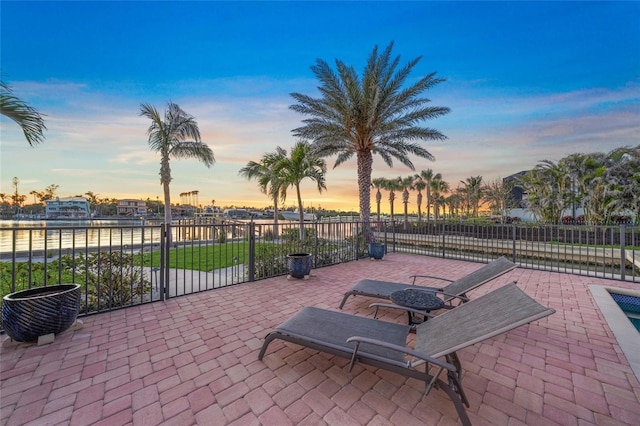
{"x": 344, "y": 299}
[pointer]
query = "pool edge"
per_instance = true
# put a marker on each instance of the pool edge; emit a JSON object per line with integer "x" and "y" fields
{"x": 624, "y": 331}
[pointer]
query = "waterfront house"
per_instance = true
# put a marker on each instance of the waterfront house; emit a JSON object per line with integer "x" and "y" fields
{"x": 71, "y": 207}
{"x": 131, "y": 208}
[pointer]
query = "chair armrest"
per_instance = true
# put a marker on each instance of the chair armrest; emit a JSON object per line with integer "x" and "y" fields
{"x": 402, "y": 308}
{"x": 463, "y": 299}
{"x": 429, "y": 276}
{"x": 401, "y": 349}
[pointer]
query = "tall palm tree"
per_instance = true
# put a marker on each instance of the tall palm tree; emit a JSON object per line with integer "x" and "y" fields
{"x": 268, "y": 180}
{"x": 438, "y": 190}
{"x": 473, "y": 188}
{"x": 27, "y": 117}
{"x": 378, "y": 183}
{"x": 428, "y": 176}
{"x": 392, "y": 185}
{"x": 302, "y": 163}
{"x": 406, "y": 184}
{"x": 169, "y": 136}
{"x": 367, "y": 114}
{"x": 419, "y": 184}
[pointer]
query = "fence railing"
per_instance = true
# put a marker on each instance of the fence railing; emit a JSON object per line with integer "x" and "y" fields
{"x": 119, "y": 266}
{"x": 600, "y": 251}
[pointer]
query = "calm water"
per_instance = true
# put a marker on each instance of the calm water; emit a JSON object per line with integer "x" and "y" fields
{"x": 55, "y": 234}
{"x": 35, "y": 235}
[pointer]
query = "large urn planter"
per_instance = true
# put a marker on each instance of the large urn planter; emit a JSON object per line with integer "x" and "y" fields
{"x": 35, "y": 315}
{"x": 376, "y": 251}
{"x": 299, "y": 265}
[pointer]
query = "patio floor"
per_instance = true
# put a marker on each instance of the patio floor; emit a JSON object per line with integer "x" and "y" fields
{"x": 193, "y": 360}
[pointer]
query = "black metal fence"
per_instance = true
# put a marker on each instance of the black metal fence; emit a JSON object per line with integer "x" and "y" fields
{"x": 120, "y": 266}
{"x": 600, "y": 251}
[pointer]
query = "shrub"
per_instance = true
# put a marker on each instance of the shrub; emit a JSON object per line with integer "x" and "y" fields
{"x": 112, "y": 279}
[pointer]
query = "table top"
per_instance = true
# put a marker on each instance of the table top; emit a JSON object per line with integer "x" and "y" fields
{"x": 417, "y": 299}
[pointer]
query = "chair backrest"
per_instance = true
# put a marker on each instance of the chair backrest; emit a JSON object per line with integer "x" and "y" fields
{"x": 494, "y": 313}
{"x": 480, "y": 276}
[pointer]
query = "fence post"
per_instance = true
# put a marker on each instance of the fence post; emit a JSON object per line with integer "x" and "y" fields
{"x": 444, "y": 240}
{"x": 164, "y": 262}
{"x": 252, "y": 251}
{"x": 513, "y": 242}
{"x": 623, "y": 254}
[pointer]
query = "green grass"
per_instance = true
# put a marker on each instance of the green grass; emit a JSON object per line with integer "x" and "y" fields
{"x": 204, "y": 258}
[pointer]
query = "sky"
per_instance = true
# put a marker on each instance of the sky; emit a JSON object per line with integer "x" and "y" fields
{"x": 525, "y": 82}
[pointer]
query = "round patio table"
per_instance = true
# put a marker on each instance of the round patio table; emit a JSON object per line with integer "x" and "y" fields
{"x": 422, "y": 300}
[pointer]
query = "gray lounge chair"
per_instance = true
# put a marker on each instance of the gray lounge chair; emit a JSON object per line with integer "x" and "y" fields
{"x": 456, "y": 290}
{"x": 384, "y": 345}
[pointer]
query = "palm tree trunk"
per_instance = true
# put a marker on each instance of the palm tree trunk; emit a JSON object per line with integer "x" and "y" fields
{"x": 276, "y": 231}
{"x": 365, "y": 163}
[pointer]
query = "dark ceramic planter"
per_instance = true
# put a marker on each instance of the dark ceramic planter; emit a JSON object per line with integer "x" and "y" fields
{"x": 299, "y": 265}
{"x": 376, "y": 251}
{"x": 29, "y": 314}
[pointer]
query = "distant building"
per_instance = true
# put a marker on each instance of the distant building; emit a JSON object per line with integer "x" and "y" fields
{"x": 131, "y": 208}
{"x": 518, "y": 194}
{"x": 72, "y": 207}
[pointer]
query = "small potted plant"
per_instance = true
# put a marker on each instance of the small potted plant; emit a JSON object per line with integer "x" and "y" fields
{"x": 299, "y": 265}
{"x": 376, "y": 250}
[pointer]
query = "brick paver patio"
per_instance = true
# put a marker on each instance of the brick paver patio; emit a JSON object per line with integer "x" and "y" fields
{"x": 193, "y": 360}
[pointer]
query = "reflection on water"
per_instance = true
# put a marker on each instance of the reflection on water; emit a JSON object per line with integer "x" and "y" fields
{"x": 35, "y": 235}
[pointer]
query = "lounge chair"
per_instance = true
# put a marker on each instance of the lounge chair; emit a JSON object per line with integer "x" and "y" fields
{"x": 384, "y": 344}
{"x": 455, "y": 291}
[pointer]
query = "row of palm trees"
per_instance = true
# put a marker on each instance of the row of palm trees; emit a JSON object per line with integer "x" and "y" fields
{"x": 606, "y": 186}
{"x": 465, "y": 200}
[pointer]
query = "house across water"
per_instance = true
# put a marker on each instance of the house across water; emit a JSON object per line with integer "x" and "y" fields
{"x": 71, "y": 207}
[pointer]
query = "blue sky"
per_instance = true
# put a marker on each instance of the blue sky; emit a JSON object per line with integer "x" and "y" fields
{"x": 525, "y": 81}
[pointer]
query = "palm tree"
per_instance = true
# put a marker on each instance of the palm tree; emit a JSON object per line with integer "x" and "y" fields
{"x": 301, "y": 164}
{"x": 548, "y": 190}
{"x": 473, "y": 191}
{"x": 378, "y": 183}
{"x": 392, "y": 185}
{"x": 27, "y": 117}
{"x": 369, "y": 114}
{"x": 428, "y": 176}
{"x": 168, "y": 135}
{"x": 497, "y": 194}
{"x": 438, "y": 190}
{"x": 268, "y": 180}
{"x": 623, "y": 182}
{"x": 419, "y": 184}
{"x": 406, "y": 184}
{"x": 92, "y": 198}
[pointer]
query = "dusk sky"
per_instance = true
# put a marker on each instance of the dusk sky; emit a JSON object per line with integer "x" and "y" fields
{"x": 525, "y": 81}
